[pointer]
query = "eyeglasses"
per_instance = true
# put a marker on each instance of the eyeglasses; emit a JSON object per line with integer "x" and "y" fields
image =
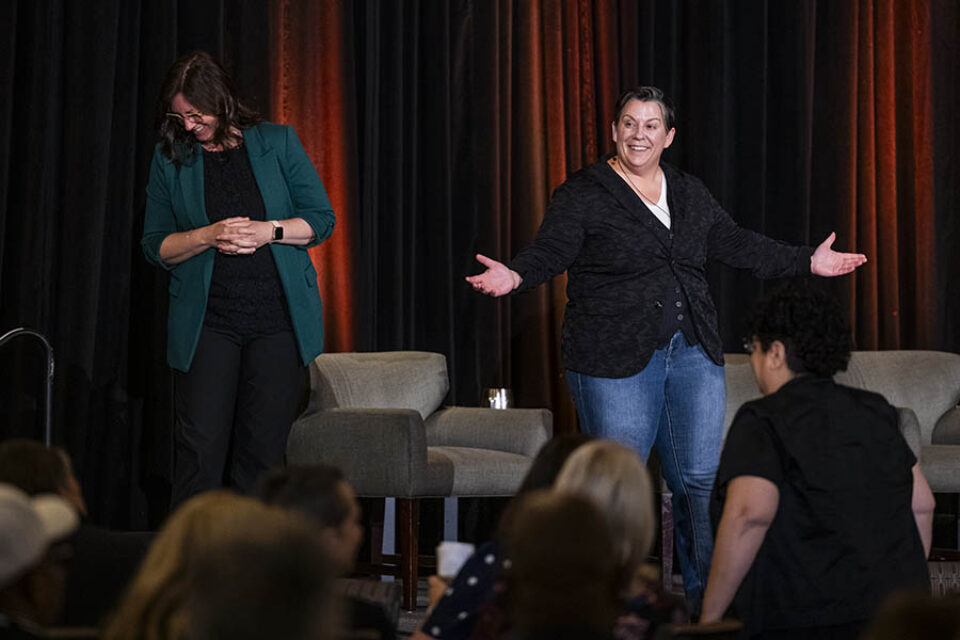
{"x": 748, "y": 345}
{"x": 193, "y": 118}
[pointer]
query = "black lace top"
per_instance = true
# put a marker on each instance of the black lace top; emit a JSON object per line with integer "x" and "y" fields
{"x": 246, "y": 295}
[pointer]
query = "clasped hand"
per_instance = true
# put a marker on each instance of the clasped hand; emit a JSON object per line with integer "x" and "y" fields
{"x": 240, "y": 235}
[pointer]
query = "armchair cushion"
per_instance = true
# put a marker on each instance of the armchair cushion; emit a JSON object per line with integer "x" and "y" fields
{"x": 382, "y": 452}
{"x": 521, "y": 431}
{"x": 386, "y": 380}
{"x": 465, "y": 471}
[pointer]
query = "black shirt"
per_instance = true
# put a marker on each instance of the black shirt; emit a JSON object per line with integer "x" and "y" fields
{"x": 246, "y": 295}
{"x": 844, "y": 535}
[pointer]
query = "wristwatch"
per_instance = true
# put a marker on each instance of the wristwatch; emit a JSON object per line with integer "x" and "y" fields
{"x": 277, "y": 231}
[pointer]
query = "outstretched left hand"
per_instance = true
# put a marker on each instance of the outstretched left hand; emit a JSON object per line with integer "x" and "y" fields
{"x": 828, "y": 263}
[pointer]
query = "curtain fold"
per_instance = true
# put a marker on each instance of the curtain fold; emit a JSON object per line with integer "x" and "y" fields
{"x": 312, "y": 88}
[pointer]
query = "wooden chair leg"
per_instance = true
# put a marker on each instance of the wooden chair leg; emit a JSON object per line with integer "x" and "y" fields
{"x": 408, "y": 521}
{"x": 376, "y": 533}
{"x": 666, "y": 540}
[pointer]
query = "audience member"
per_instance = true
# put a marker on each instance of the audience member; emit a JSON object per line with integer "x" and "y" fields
{"x": 272, "y": 579}
{"x": 321, "y": 493}
{"x": 155, "y": 606}
{"x": 456, "y": 608}
{"x": 615, "y": 479}
{"x": 567, "y": 572}
{"x": 36, "y": 468}
{"x": 822, "y": 508}
{"x": 916, "y": 616}
{"x": 102, "y": 561}
{"x": 32, "y": 550}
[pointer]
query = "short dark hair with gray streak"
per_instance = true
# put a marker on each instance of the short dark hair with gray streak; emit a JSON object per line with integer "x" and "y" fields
{"x": 648, "y": 94}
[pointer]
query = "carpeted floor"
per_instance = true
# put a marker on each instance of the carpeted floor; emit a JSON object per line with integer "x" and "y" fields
{"x": 410, "y": 620}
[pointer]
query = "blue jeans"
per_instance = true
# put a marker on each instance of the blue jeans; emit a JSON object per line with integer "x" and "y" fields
{"x": 677, "y": 404}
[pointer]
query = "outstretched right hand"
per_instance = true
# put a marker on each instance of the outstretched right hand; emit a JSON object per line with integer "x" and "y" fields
{"x": 498, "y": 280}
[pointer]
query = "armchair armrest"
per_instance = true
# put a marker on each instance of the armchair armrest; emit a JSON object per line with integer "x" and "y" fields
{"x": 910, "y": 428}
{"x": 382, "y": 452}
{"x": 521, "y": 431}
{"x": 947, "y": 429}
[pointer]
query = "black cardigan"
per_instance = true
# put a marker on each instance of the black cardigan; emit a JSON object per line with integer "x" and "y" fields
{"x": 620, "y": 265}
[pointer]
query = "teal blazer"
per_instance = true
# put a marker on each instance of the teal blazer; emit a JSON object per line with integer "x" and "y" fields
{"x": 290, "y": 188}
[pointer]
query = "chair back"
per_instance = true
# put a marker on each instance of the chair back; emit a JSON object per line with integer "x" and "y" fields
{"x": 414, "y": 380}
{"x": 926, "y": 381}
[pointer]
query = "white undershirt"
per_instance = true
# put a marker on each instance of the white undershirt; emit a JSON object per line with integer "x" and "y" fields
{"x": 661, "y": 209}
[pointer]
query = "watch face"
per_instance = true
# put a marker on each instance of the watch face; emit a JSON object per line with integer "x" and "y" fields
{"x": 278, "y": 233}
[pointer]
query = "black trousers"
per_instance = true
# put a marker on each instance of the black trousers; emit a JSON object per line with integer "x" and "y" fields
{"x": 233, "y": 410}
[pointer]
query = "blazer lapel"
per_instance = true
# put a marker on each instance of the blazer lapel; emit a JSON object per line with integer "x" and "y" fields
{"x": 623, "y": 194}
{"x": 190, "y": 178}
{"x": 268, "y": 173}
{"x": 676, "y": 197}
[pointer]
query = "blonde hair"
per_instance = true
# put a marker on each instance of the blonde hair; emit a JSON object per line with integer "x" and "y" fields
{"x": 153, "y": 607}
{"x": 614, "y": 478}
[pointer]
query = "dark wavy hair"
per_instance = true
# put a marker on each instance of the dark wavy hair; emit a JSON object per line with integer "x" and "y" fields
{"x": 647, "y": 94}
{"x": 33, "y": 467}
{"x": 809, "y": 323}
{"x": 208, "y": 87}
{"x": 309, "y": 489}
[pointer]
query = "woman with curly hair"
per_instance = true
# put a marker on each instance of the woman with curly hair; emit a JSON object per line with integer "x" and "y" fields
{"x": 822, "y": 508}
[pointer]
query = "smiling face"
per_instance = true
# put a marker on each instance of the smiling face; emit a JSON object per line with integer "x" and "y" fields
{"x": 202, "y": 126}
{"x": 641, "y": 136}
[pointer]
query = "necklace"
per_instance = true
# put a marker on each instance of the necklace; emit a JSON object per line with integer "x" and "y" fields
{"x": 639, "y": 191}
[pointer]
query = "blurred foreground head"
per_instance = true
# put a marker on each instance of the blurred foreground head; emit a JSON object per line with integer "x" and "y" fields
{"x": 227, "y": 566}
{"x": 917, "y": 616}
{"x": 33, "y": 552}
{"x": 615, "y": 479}
{"x": 35, "y": 468}
{"x": 565, "y": 569}
{"x": 322, "y": 494}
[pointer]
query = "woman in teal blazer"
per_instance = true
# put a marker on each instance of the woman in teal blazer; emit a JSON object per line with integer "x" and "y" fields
{"x": 233, "y": 204}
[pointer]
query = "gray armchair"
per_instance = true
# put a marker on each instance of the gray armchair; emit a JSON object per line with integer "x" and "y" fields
{"x": 377, "y": 416}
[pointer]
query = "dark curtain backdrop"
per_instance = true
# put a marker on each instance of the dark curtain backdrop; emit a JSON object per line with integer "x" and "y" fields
{"x": 78, "y": 88}
{"x": 440, "y": 128}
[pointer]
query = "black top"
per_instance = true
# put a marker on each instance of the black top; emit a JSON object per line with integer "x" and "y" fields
{"x": 623, "y": 266}
{"x": 246, "y": 295}
{"x": 844, "y": 535}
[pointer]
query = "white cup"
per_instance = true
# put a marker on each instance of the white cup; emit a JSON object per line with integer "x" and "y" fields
{"x": 451, "y": 556}
{"x": 499, "y": 398}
